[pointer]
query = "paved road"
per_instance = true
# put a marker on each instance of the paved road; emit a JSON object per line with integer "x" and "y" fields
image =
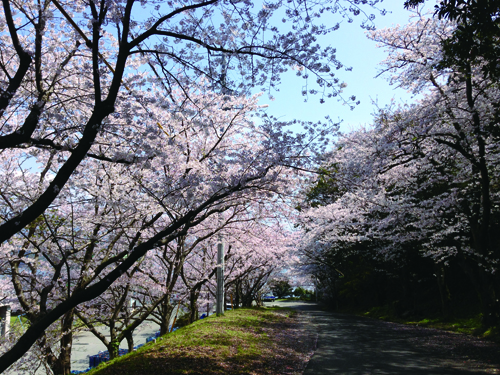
{"x": 353, "y": 345}
{"x": 86, "y": 344}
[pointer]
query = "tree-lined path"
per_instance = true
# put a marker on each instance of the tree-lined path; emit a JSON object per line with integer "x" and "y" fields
{"x": 353, "y": 345}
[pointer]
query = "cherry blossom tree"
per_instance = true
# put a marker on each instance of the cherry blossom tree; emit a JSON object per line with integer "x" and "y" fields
{"x": 98, "y": 95}
{"x": 422, "y": 182}
{"x": 459, "y": 117}
{"x": 43, "y": 59}
{"x": 475, "y": 40}
{"x": 87, "y": 239}
{"x": 155, "y": 280}
{"x": 255, "y": 240}
{"x": 6, "y": 291}
{"x": 260, "y": 248}
{"x": 120, "y": 310}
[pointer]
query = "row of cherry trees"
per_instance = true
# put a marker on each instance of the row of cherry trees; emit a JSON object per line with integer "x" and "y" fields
{"x": 183, "y": 269}
{"x": 128, "y": 140}
{"x": 417, "y": 193}
{"x": 108, "y": 209}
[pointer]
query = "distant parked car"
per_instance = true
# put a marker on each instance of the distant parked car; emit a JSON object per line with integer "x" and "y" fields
{"x": 268, "y": 298}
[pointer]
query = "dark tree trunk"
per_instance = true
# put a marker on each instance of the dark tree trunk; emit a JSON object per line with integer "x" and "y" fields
{"x": 130, "y": 341}
{"x": 113, "y": 347}
{"x": 166, "y": 309}
{"x": 489, "y": 301}
{"x": 193, "y": 306}
{"x": 237, "y": 292}
{"x": 444, "y": 292}
{"x": 247, "y": 299}
{"x": 484, "y": 286}
{"x": 61, "y": 365}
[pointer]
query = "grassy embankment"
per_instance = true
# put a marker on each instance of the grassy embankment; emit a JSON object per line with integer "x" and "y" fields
{"x": 240, "y": 342}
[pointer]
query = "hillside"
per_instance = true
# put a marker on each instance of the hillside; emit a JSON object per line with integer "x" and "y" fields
{"x": 244, "y": 341}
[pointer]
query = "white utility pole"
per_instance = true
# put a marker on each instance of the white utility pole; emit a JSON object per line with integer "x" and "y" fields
{"x": 220, "y": 279}
{"x": 4, "y": 320}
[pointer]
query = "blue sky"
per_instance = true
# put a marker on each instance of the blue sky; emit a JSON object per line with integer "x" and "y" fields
{"x": 354, "y": 49}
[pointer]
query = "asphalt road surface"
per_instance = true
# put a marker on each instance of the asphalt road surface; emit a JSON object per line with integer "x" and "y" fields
{"x": 86, "y": 344}
{"x": 353, "y": 345}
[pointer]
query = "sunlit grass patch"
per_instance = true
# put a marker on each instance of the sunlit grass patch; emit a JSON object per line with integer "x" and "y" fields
{"x": 240, "y": 342}
{"x": 471, "y": 325}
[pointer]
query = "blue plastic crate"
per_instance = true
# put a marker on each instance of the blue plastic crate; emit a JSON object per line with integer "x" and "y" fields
{"x": 151, "y": 338}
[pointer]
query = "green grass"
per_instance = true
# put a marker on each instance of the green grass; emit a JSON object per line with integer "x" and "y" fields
{"x": 470, "y": 325}
{"x": 295, "y": 299}
{"x": 237, "y": 343}
{"x": 15, "y": 324}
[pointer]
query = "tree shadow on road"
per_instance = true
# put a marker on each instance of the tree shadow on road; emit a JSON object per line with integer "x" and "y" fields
{"x": 350, "y": 344}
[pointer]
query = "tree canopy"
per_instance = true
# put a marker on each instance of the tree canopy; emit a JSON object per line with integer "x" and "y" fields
{"x": 127, "y": 126}
{"x": 414, "y": 197}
